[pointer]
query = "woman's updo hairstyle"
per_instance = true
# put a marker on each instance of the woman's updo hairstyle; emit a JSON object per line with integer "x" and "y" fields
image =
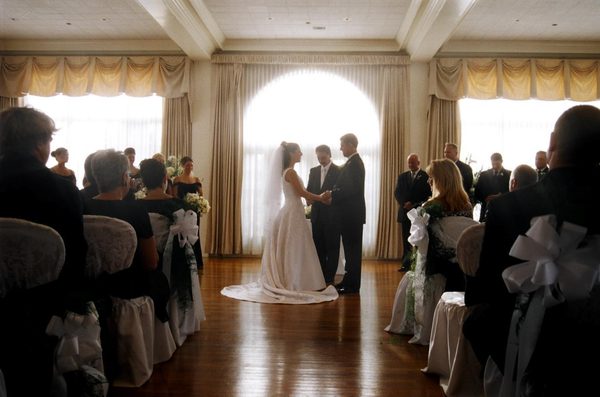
{"x": 288, "y": 149}
{"x": 58, "y": 152}
{"x": 184, "y": 160}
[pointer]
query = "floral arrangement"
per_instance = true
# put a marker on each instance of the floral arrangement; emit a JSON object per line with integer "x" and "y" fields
{"x": 173, "y": 167}
{"x": 140, "y": 194}
{"x": 307, "y": 211}
{"x": 197, "y": 202}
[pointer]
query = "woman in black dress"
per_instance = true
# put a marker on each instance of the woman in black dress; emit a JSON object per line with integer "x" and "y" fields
{"x": 62, "y": 157}
{"x": 188, "y": 183}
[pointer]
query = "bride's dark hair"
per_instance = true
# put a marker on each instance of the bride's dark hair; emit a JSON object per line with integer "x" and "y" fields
{"x": 288, "y": 149}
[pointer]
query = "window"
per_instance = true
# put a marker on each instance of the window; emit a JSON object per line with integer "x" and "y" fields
{"x": 516, "y": 129}
{"x": 89, "y": 123}
{"x": 309, "y": 107}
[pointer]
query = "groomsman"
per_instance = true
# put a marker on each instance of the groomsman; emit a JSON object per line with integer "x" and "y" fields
{"x": 491, "y": 184}
{"x": 325, "y": 230}
{"x": 451, "y": 153}
{"x": 541, "y": 164}
{"x": 412, "y": 189}
{"x": 348, "y": 203}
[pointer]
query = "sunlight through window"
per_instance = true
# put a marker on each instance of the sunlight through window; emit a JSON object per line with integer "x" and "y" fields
{"x": 89, "y": 123}
{"x": 516, "y": 129}
{"x": 309, "y": 108}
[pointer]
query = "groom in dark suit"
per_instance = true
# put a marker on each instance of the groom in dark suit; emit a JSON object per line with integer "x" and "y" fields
{"x": 325, "y": 230}
{"x": 412, "y": 189}
{"x": 348, "y": 204}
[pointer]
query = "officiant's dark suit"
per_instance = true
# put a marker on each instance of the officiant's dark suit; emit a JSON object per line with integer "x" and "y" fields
{"x": 490, "y": 183}
{"x": 570, "y": 191}
{"x": 325, "y": 230}
{"x": 348, "y": 203}
{"x": 414, "y": 191}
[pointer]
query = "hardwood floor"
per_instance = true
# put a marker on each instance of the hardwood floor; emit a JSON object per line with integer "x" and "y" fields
{"x": 330, "y": 349}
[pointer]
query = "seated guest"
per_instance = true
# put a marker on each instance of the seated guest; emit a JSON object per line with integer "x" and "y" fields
{"x": 568, "y": 340}
{"x": 541, "y": 164}
{"x": 434, "y": 268}
{"x": 521, "y": 177}
{"x": 170, "y": 190}
{"x": 62, "y": 157}
{"x": 491, "y": 184}
{"x": 110, "y": 171}
{"x": 30, "y": 191}
{"x": 90, "y": 190}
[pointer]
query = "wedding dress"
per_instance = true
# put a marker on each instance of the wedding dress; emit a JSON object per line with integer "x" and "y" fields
{"x": 290, "y": 268}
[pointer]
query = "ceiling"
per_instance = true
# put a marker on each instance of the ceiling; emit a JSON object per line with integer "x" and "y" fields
{"x": 420, "y": 28}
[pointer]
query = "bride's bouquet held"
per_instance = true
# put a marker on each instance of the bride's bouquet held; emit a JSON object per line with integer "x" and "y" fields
{"x": 198, "y": 203}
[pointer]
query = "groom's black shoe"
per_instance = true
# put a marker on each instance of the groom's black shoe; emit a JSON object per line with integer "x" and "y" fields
{"x": 342, "y": 290}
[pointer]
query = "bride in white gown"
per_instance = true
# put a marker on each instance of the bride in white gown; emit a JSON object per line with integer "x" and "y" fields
{"x": 290, "y": 268}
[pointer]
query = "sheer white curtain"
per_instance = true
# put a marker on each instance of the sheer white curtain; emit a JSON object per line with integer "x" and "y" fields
{"x": 89, "y": 123}
{"x": 309, "y": 106}
{"x": 516, "y": 129}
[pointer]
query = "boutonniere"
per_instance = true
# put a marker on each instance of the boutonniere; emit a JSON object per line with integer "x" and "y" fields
{"x": 418, "y": 176}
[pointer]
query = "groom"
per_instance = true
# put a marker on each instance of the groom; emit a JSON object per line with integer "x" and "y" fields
{"x": 348, "y": 205}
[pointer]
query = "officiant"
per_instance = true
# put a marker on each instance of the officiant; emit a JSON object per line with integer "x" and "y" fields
{"x": 325, "y": 230}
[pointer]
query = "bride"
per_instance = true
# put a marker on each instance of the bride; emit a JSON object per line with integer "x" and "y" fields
{"x": 290, "y": 268}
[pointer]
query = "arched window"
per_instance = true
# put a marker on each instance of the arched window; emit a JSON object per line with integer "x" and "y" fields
{"x": 311, "y": 108}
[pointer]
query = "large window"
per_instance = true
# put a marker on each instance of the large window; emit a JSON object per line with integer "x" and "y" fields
{"x": 310, "y": 108}
{"x": 90, "y": 123}
{"x": 516, "y": 129}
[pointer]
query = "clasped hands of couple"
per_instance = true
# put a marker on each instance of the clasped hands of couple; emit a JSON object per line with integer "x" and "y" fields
{"x": 325, "y": 197}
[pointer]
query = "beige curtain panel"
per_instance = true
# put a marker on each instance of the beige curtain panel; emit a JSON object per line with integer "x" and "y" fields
{"x": 443, "y": 126}
{"x": 486, "y": 78}
{"x": 177, "y": 127}
{"x": 167, "y": 76}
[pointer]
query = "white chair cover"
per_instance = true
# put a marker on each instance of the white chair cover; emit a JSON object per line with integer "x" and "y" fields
{"x": 30, "y": 254}
{"x": 450, "y": 353}
{"x": 111, "y": 244}
{"x": 417, "y": 294}
{"x": 182, "y": 322}
{"x": 134, "y": 320}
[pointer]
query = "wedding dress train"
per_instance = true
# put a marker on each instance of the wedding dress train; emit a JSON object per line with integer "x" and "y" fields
{"x": 290, "y": 268}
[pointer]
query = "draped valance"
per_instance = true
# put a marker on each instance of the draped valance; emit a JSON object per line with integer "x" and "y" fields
{"x": 312, "y": 59}
{"x": 487, "y": 78}
{"x": 167, "y": 76}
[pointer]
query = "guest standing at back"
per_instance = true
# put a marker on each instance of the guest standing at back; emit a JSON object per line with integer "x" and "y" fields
{"x": 541, "y": 164}
{"x": 451, "y": 153}
{"x": 491, "y": 184}
{"x": 348, "y": 204}
{"x": 325, "y": 231}
{"x": 412, "y": 189}
{"x": 62, "y": 157}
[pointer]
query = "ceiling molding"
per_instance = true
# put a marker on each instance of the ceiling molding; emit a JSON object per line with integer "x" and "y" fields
{"x": 409, "y": 19}
{"x": 433, "y": 26}
{"x": 90, "y": 47}
{"x": 183, "y": 25}
{"x": 209, "y": 22}
{"x": 520, "y": 49}
{"x": 314, "y": 45}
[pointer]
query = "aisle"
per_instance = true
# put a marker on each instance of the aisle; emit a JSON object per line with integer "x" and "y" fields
{"x": 331, "y": 349}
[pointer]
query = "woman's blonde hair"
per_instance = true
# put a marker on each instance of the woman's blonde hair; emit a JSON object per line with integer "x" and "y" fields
{"x": 447, "y": 186}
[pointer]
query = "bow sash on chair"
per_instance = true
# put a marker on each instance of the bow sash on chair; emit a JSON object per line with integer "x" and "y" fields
{"x": 185, "y": 226}
{"x": 556, "y": 270}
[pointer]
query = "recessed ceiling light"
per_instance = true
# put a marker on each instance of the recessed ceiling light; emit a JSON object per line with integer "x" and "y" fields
{"x": 307, "y": 22}
{"x": 554, "y": 24}
{"x": 13, "y": 19}
{"x": 319, "y": 28}
{"x": 517, "y": 20}
{"x": 68, "y": 23}
{"x": 104, "y": 19}
{"x": 347, "y": 19}
{"x": 269, "y": 18}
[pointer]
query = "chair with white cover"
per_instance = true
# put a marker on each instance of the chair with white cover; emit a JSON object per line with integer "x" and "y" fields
{"x": 450, "y": 353}
{"x": 111, "y": 248}
{"x": 181, "y": 234}
{"x": 31, "y": 255}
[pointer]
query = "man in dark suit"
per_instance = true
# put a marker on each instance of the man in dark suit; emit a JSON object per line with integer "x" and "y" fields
{"x": 569, "y": 333}
{"x": 491, "y": 184}
{"x": 348, "y": 203}
{"x": 541, "y": 164}
{"x": 412, "y": 189}
{"x": 325, "y": 230}
{"x": 451, "y": 153}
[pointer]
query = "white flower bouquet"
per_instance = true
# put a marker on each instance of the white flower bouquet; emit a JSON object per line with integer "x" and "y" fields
{"x": 173, "y": 167}
{"x": 307, "y": 211}
{"x": 198, "y": 203}
{"x": 140, "y": 194}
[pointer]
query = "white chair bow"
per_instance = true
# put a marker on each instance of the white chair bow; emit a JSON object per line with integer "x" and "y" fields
{"x": 557, "y": 269}
{"x": 419, "y": 236}
{"x": 185, "y": 225}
